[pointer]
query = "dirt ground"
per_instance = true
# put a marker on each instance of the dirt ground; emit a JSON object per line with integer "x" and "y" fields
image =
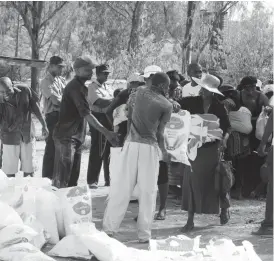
{"x": 245, "y": 217}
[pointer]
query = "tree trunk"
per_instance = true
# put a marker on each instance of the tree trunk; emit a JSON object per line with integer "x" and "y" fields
{"x": 17, "y": 36}
{"x": 135, "y": 26}
{"x": 187, "y": 45}
{"x": 35, "y": 56}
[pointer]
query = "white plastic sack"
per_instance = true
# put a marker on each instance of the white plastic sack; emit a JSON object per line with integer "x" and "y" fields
{"x": 9, "y": 216}
{"x": 16, "y": 233}
{"x": 21, "y": 198}
{"x": 3, "y": 180}
{"x": 47, "y": 204}
{"x": 83, "y": 228}
{"x": 241, "y": 120}
{"x": 176, "y": 136}
{"x": 260, "y": 124}
{"x": 23, "y": 252}
{"x": 119, "y": 115}
{"x": 42, "y": 238}
{"x": 103, "y": 247}
{"x": 70, "y": 246}
{"x": 30, "y": 181}
{"x": 76, "y": 206}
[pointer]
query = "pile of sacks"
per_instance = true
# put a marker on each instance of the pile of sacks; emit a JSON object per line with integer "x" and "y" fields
{"x": 36, "y": 214}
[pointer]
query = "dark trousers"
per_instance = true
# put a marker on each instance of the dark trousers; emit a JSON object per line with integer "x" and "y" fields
{"x": 48, "y": 161}
{"x": 67, "y": 162}
{"x": 268, "y": 221}
{"x": 96, "y": 159}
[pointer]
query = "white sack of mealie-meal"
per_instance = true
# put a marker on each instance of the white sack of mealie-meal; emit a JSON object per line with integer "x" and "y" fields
{"x": 176, "y": 136}
{"x": 240, "y": 120}
{"x": 76, "y": 206}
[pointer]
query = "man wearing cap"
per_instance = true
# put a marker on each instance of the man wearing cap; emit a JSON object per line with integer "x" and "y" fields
{"x": 99, "y": 97}
{"x": 70, "y": 131}
{"x": 16, "y": 105}
{"x": 52, "y": 87}
{"x": 140, "y": 155}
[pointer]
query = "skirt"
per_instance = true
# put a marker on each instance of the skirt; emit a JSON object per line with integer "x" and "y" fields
{"x": 198, "y": 191}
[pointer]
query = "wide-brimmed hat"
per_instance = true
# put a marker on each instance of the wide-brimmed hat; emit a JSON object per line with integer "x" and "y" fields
{"x": 135, "y": 77}
{"x": 152, "y": 69}
{"x": 226, "y": 88}
{"x": 209, "y": 82}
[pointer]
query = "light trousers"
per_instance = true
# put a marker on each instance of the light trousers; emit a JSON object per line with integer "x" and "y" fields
{"x": 134, "y": 164}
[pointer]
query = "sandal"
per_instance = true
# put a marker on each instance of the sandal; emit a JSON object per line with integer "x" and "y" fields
{"x": 224, "y": 216}
{"x": 161, "y": 215}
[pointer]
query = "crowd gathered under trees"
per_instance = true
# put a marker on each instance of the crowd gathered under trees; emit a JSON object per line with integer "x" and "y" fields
{"x": 208, "y": 75}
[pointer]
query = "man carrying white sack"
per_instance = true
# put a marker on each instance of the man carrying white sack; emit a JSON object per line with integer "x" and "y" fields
{"x": 140, "y": 164}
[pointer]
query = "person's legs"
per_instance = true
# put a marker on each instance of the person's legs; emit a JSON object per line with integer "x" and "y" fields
{"x": 148, "y": 170}
{"x": 27, "y": 151}
{"x": 48, "y": 160}
{"x": 267, "y": 225}
{"x": 106, "y": 164}
{"x": 63, "y": 162}
{"x": 75, "y": 172}
{"x": 163, "y": 190}
{"x": 125, "y": 172}
{"x": 95, "y": 159}
{"x": 10, "y": 159}
{"x": 224, "y": 205}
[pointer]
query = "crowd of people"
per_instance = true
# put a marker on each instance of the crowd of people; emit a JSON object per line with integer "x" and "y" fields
{"x": 133, "y": 120}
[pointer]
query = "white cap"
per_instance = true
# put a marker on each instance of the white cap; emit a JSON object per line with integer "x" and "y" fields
{"x": 152, "y": 69}
{"x": 268, "y": 88}
{"x": 135, "y": 77}
{"x": 259, "y": 84}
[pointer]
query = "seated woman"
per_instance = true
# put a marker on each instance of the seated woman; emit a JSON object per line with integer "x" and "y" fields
{"x": 198, "y": 191}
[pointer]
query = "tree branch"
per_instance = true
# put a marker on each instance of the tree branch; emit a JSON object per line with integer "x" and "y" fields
{"x": 118, "y": 12}
{"x": 53, "y": 14}
{"x": 166, "y": 23}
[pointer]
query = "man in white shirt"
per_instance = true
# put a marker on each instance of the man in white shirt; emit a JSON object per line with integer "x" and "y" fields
{"x": 99, "y": 97}
{"x": 193, "y": 89}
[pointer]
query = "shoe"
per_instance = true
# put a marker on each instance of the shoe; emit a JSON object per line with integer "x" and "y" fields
{"x": 107, "y": 184}
{"x": 224, "y": 216}
{"x": 161, "y": 215}
{"x": 93, "y": 186}
{"x": 263, "y": 231}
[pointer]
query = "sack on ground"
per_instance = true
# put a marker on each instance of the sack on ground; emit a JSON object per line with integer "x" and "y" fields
{"x": 43, "y": 237}
{"x": 47, "y": 205}
{"x": 9, "y": 217}
{"x": 76, "y": 206}
{"x": 23, "y": 252}
{"x": 176, "y": 136}
{"x": 71, "y": 247}
{"x": 103, "y": 247}
{"x": 241, "y": 120}
{"x": 16, "y": 233}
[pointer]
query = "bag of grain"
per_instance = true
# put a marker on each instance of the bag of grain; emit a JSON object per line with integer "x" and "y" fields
{"x": 76, "y": 206}
{"x": 176, "y": 136}
{"x": 10, "y": 217}
{"x": 261, "y": 123}
{"x": 241, "y": 120}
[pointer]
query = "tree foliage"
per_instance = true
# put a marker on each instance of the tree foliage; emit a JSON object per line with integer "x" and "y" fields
{"x": 131, "y": 35}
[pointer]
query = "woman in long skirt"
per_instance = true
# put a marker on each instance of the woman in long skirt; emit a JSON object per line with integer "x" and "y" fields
{"x": 198, "y": 191}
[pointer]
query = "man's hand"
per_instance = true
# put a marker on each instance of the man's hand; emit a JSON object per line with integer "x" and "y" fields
{"x": 45, "y": 132}
{"x": 113, "y": 138}
{"x": 261, "y": 150}
{"x": 176, "y": 106}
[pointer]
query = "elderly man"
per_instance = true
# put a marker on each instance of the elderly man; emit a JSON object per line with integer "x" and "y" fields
{"x": 70, "y": 131}
{"x": 99, "y": 97}
{"x": 16, "y": 105}
{"x": 52, "y": 87}
{"x": 140, "y": 157}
